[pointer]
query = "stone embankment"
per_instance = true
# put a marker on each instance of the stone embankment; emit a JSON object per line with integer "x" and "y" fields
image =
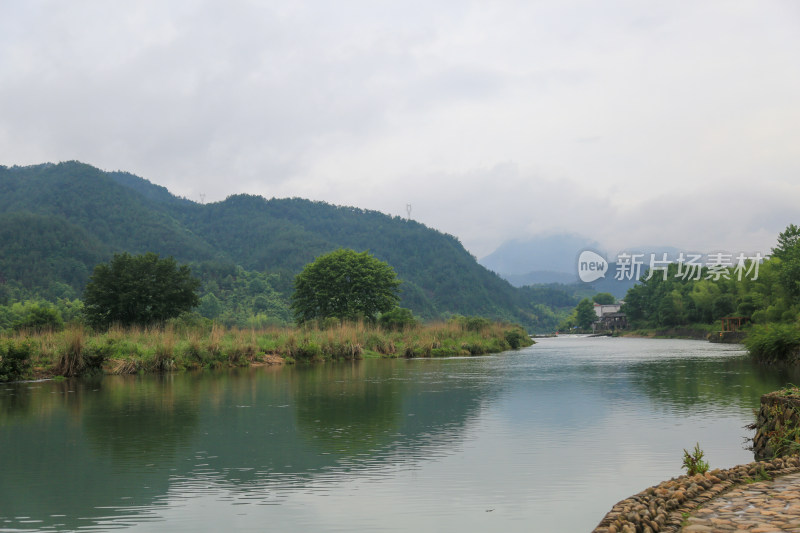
{"x": 665, "y": 507}
{"x": 673, "y": 505}
{"x": 778, "y": 424}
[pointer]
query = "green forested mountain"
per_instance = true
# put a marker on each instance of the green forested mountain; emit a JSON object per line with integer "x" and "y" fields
{"x": 60, "y": 220}
{"x": 119, "y": 217}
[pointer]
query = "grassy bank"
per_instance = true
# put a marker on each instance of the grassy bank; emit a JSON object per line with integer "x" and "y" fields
{"x": 78, "y": 351}
{"x": 772, "y": 343}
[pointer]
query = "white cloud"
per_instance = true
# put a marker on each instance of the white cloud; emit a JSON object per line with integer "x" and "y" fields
{"x": 494, "y": 120}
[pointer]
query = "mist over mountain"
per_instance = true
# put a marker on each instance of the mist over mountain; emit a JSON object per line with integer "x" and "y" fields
{"x": 552, "y": 253}
{"x": 552, "y": 259}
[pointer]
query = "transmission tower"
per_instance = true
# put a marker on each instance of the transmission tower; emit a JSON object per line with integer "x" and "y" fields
{"x": 408, "y": 210}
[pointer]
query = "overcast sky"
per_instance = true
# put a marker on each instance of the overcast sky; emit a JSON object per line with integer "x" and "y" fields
{"x": 630, "y": 122}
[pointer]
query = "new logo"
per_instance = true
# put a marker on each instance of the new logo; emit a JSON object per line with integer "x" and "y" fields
{"x": 591, "y": 266}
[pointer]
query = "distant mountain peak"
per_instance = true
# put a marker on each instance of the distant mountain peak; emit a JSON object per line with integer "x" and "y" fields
{"x": 548, "y": 253}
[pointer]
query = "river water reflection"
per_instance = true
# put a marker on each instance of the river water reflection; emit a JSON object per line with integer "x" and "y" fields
{"x": 544, "y": 439}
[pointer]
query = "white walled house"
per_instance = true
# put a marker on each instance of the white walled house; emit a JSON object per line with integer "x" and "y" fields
{"x": 606, "y": 309}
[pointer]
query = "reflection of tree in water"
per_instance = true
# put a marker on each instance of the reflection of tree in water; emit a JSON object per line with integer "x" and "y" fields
{"x": 141, "y": 420}
{"x": 691, "y": 384}
{"x": 382, "y": 412}
{"x": 16, "y": 401}
{"x": 83, "y": 450}
{"x": 121, "y": 444}
{"x": 342, "y": 409}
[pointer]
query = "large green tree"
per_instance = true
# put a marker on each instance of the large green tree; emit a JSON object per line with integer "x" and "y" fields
{"x": 584, "y": 314}
{"x": 344, "y": 284}
{"x": 787, "y": 241}
{"x": 138, "y": 290}
{"x": 604, "y": 298}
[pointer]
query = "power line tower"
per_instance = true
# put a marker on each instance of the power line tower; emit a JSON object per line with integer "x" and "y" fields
{"x": 202, "y": 197}
{"x": 408, "y": 210}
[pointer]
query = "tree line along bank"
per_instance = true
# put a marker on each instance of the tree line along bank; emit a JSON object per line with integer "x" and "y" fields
{"x": 136, "y": 318}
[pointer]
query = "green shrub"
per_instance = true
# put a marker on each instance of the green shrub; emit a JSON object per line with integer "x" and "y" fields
{"x": 39, "y": 317}
{"x": 495, "y": 345}
{"x": 342, "y": 350}
{"x": 398, "y": 319}
{"x": 693, "y": 462}
{"x": 380, "y": 344}
{"x": 125, "y": 349}
{"x": 308, "y": 351}
{"x": 95, "y": 354}
{"x": 15, "y": 360}
{"x": 773, "y": 342}
{"x": 515, "y": 338}
{"x": 188, "y": 321}
{"x": 476, "y": 323}
{"x": 193, "y": 352}
{"x": 410, "y": 352}
{"x": 474, "y": 348}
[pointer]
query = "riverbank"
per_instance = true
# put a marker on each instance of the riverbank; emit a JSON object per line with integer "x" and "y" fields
{"x": 774, "y": 343}
{"x": 667, "y": 506}
{"x": 78, "y": 351}
{"x": 696, "y": 332}
{"x": 674, "y": 505}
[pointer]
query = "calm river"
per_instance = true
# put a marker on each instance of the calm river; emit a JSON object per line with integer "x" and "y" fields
{"x": 545, "y": 439}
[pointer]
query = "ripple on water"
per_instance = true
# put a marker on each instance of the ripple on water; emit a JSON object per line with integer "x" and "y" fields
{"x": 507, "y": 442}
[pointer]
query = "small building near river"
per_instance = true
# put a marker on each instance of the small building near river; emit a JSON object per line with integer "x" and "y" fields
{"x": 609, "y": 318}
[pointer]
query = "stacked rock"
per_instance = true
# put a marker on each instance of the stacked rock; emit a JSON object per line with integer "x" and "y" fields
{"x": 663, "y": 508}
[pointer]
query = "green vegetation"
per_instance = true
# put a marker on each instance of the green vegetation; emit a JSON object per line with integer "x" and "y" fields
{"x": 584, "y": 314}
{"x": 345, "y": 285}
{"x": 679, "y": 301}
{"x": 689, "y": 301}
{"x": 774, "y": 342}
{"x": 761, "y": 475}
{"x": 235, "y": 297}
{"x": 604, "y": 298}
{"x": 58, "y": 221}
{"x": 782, "y": 424}
{"x": 399, "y": 319}
{"x": 138, "y": 290}
{"x": 15, "y": 359}
{"x": 693, "y": 462}
{"x": 768, "y": 294}
{"x": 581, "y": 318}
{"x": 552, "y": 304}
{"x": 790, "y": 390}
{"x": 37, "y": 316}
{"x": 78, "y": 351}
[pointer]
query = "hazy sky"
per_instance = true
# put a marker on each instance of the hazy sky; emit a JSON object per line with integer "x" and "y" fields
{"x": 631, "y": 122}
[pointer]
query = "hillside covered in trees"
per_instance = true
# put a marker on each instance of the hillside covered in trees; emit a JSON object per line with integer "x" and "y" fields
{"x": 762, "y": 296}
{"x": 57, "y": 221}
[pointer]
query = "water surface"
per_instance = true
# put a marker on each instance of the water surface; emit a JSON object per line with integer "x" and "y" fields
{"x": 545, "y": 439}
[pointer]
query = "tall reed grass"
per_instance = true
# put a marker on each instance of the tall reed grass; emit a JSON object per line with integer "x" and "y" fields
{"x": 76, "y": 351}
